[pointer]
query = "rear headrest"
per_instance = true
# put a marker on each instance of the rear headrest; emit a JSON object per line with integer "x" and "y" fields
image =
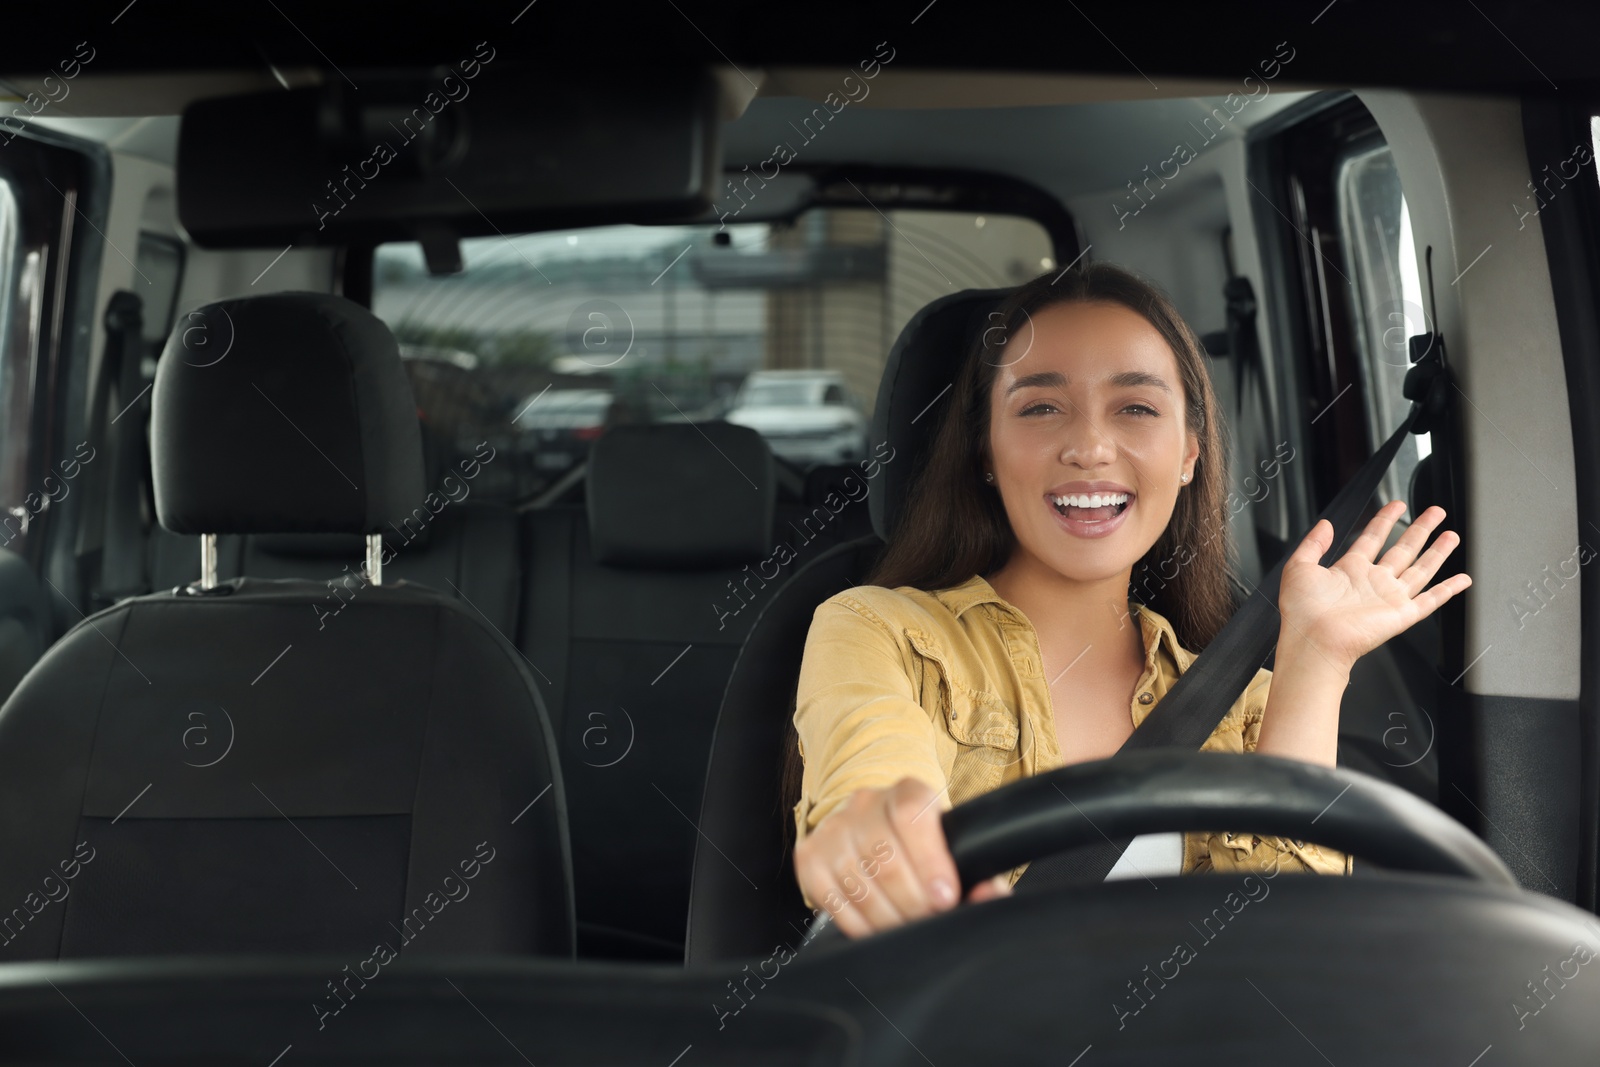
{"x": 680, "y": 496}
{"x": 284, "y": 412}
{"x": 922, "y": 365}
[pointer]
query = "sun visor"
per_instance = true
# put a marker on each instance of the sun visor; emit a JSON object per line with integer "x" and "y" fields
{"x": 445, "y": 155}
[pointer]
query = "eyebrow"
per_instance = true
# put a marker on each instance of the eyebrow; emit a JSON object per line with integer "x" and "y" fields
{"x": 1055, "y": 379}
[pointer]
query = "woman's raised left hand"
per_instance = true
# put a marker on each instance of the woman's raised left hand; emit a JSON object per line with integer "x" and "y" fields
{"x": 1349, "y": 609}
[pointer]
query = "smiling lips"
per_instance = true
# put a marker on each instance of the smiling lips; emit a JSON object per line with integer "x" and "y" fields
{"x": 1090, "y": 509}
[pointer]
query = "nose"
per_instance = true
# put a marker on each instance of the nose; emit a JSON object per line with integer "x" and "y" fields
{"x": 1087, "y": 444}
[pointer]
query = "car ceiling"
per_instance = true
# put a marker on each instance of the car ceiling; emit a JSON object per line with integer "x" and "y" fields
{"x": 1065, "y": 149}
{"x": 1503, "y": 46}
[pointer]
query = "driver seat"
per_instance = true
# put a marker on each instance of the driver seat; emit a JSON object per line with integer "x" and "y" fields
{"x": 744, "y": 899}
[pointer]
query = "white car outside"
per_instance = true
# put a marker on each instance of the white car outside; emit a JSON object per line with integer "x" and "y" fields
{"x": 808, "y": 417}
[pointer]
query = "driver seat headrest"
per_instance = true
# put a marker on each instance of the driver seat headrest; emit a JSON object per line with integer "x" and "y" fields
{"x": 917, "y": 383}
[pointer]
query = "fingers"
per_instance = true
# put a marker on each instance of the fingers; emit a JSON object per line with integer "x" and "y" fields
{"x": 874, "y": 864}
{"x": 1315, "y": 545}
{"x": 990, "y": 889}
{"x": 929, "y": 865}
{"x": 864, "y": 897}
{"x": 1431, "y": 600}
{"x": 1417, "y": 571}
{"x": 1420, "y": 573}
{"x": 1372, "y": 538}
{"x": 823, "y": 859}
{"x": 862, "y": 838}
{"x": 1405, "y": 550}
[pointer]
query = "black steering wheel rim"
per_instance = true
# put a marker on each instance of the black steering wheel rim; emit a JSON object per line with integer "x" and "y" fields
{"x": 1159, "y": 790}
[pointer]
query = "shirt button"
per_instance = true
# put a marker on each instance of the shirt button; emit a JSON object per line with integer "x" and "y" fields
{"x": 1146, "y": 698}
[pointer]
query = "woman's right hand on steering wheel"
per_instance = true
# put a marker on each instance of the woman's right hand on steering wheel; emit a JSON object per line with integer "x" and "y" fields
{"x": 880, "y": 860}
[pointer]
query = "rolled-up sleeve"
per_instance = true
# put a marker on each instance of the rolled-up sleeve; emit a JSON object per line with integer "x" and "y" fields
{"x": 857, "y": 715}
{"x": 1245, "y": 853}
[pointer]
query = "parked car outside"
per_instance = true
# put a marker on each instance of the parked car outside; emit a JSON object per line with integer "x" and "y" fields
{"x": 807, "y": 416}
{"x": 559, "y": 426}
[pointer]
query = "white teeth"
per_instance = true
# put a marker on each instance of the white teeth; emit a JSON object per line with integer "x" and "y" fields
{"x": 1091, "y": 500}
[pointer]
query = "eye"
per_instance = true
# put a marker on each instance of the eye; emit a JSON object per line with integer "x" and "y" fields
{"x": 1141, "y": 410}
{"x": 1038, "y": 406}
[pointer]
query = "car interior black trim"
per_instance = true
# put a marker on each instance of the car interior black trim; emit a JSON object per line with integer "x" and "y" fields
{"x": 1569, "y": 224}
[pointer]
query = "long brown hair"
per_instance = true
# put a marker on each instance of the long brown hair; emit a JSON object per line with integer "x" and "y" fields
{"x": 952, "y": 525}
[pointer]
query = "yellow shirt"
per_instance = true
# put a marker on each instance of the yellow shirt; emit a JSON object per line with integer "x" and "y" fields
{"x": 948, "y": 687}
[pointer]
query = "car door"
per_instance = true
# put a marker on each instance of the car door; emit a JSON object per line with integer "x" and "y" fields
{"x": 52, "y": 189}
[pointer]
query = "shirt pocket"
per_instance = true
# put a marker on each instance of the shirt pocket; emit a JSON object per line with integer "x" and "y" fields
{"x": 984, "y": 729}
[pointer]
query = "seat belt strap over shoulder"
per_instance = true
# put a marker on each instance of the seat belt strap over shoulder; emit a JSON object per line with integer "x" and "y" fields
{"x": 1202, "y": 696}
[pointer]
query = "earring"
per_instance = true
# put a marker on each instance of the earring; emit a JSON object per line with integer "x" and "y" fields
{"x": 1185, "y": 479}
{"x": 989, "y": 477}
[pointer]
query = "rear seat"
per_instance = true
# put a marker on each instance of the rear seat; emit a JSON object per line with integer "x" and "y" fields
{"x": 636, "y": 605}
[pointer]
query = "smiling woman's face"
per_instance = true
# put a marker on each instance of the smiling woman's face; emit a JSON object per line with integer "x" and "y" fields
{"x": 1087, "y": 438}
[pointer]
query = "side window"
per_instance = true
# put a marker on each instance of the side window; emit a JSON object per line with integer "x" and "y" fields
{"x": 834, "y": 394}
{"x": 1375, "y": 229}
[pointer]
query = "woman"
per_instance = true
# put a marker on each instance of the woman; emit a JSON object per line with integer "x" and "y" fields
{"x": 1079, "y": 460}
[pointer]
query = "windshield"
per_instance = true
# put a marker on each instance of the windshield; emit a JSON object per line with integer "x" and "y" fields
{"x": 668, "y": 323}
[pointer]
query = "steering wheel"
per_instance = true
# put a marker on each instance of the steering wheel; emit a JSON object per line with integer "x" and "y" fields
{"x": 1156, "y": 790}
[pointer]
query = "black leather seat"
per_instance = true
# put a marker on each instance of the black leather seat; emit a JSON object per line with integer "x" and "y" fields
{"x": 619, "y": 617}
{"x": 745, "y": 900}
{"x": 637, "y": 603}
{"x": 25, "y": 620}
{"x": 231, "y": 769}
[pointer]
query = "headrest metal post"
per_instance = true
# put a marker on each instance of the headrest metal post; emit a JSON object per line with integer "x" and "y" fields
{"x": 375, "y": 558}
{"x": 208, "y": 561}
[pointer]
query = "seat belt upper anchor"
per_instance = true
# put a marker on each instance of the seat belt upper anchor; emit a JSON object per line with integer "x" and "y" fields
{"x": 1428, "y": 381}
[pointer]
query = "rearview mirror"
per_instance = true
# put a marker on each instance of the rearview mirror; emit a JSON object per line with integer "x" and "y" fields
{"x": 447, "y": 155}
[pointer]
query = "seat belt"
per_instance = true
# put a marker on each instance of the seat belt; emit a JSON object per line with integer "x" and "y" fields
{"x": 128, "y": 515}
{"x": 1249, "y": 380}
{"x": 123, "y": 325}
{"x": 1202, "y": 696}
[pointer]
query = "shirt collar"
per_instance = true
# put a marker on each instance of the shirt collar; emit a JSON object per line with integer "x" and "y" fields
{"x": 1155, "y": 628}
